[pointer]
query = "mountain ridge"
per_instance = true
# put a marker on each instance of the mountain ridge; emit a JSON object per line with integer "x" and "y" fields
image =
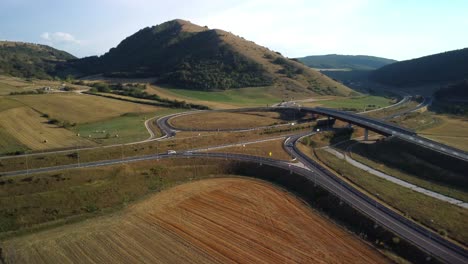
{"x": 441, "y": 68}
{"x": 30, "y": 60}
{"x": 350, "y": 62}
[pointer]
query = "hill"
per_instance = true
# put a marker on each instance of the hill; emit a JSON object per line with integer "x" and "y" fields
{"x": 184, "y": 55}
{"x": 29, "y": 60}
{"x": 452, "y": 99}
{"x": 350, "y": 62}
{"x": 439, "y": 68}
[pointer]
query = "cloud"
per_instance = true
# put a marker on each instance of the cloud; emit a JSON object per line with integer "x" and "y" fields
{"x": 60, "y": 38}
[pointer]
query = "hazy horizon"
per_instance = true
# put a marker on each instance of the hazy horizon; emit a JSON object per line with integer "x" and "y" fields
{"x": 397, "y": 30}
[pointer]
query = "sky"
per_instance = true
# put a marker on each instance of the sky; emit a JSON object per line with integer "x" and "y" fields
{"x": 395, "y": 29}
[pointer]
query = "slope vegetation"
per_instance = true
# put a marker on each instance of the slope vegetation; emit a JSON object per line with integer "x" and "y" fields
{"x": 228, "y": 220}
{"x": 439, "y": 68}
{"x": 183, "y": 55}
{"x": 349, "y": 62}
{"x": 30, "y": 60}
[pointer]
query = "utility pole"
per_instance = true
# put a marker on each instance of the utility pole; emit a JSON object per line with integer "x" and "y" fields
{"x": 27, "y": 167}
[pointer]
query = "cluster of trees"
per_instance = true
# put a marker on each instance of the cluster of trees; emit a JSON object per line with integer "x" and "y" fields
{"x": 30, "y": 60}
{"x": 37, "y": 91}
{"x": 232, "y": 71}
{"x": 289, "y": 69}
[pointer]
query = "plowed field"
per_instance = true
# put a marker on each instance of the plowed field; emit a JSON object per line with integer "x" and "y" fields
{"x": 223, "y": 220}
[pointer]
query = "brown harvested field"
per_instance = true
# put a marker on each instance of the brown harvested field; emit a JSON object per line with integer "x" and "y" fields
{"x": 226, "y": 120}
{"x": 261, "y": 149}
{"x": 27, "y": 127}
{"x": 7, "y": 103}
{"x": 452, "y": 131}
{"x": 227, "y": 220}
{"x": 81, "y": 108}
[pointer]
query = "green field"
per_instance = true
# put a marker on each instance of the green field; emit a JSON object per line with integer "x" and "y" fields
{"x": 241, "y": 96}
{"x": 126, "y": 128}
{"x": 360, "y": 103}
{"x": 9, "y": 144}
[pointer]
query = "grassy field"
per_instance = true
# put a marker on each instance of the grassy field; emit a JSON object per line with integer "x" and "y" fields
{"x": 30, "y": 201}
{"x": 438, "y": 215}
{"x": 417, "y": 121}
{"x": 12, "y": 84}
{"x": 226, "y": 120}
{"x": 126, "y": 128}
{"x": 451, "y": 130}
{"x": 92, "y": 114}
{"x": 261, "y": 149}
{"x": 81, "y": 108}
{"x": 392, "y": 110}
{"x": 9, "y": 144}
{"x": 359, "y": 103}
{"x": 30, "y": 129}
{"x": 234, "y": 98}
{"x": 208, "y": 221}
{"x": 404, "y": 161}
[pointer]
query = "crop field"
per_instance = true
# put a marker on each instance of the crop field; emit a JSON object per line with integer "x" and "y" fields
{"x": 31, "y": 130}
{"x": 209, "y": 221}
{"x": 359, "y": 103}
{"x": 452, "y": 131}
{"x": 226, "y": 120}
{"x": 81, "y": 108}
{"x": 7, "y": 103}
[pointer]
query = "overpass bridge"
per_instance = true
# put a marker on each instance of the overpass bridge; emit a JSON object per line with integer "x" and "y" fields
{"x": 387, "y": 129}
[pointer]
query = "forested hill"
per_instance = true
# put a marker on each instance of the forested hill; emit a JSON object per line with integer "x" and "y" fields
{"x": 350, "y": 62}
{"x": 30, "y": 60}
{"x": 184, "y": 55}
{"x": 440, "y": 68}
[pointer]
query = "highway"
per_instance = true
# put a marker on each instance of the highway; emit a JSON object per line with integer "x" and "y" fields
{"x": 389, "y": 129}
{"x": 425, "y": 239}
{"x": 429, "y": 241}
{"x": 422, "y": 237}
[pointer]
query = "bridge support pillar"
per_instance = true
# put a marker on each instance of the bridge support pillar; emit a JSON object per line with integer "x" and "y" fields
{"x": 366, "y": 134}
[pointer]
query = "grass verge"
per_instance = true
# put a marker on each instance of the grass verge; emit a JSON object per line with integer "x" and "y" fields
{"x": 445, "y": 218}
